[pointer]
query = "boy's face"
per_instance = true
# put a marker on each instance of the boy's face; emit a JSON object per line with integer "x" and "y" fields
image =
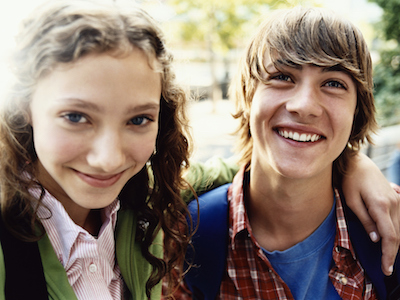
{"x": 301, "y": 119}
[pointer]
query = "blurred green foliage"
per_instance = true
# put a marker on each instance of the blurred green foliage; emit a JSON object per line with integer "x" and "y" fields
{"x": 222, "y": 25}
{"x": 387, "y": 71}
{"x": 219, "y": 26}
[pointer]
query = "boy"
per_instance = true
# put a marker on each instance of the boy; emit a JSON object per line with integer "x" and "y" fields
{"x": 305, "y": 104}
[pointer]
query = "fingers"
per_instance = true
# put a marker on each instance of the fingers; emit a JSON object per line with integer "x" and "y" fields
{"x": 386, "y": 224}
{"x": 389, "y": 251}
{"x": 386, "y": 213}
{"x": 389, "y": 254}
{"x": 395, "y": 187}
{"x": 376, "y": 204}
{"x": 357, "y": 205}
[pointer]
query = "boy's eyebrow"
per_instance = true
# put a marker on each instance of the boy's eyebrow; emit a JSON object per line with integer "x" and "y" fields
{"x": 335, "y": 68}
{"x": 290, "y": 64}
{"x": 283, "y": 63}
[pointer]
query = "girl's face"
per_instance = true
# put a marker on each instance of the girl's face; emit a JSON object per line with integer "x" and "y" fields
{"x": 95, "y": 124}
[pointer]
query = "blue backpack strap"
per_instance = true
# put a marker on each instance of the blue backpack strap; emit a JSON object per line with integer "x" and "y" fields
{"x": 369, "y": 255}
{"x": 207, "y": 255}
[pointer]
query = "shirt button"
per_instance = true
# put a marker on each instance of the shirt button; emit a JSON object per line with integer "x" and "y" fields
{"x": 92, "y": 268}
{"x": 343, "y": 280}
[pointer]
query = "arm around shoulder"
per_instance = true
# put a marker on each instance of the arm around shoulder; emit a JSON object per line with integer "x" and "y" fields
{"x": 209, "y": 175}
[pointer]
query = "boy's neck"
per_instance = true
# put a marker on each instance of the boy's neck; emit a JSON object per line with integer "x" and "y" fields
{"x": 285, "y": 212}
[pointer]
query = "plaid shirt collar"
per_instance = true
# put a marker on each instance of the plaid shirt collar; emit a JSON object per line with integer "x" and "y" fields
{"x": 240, "y": 221}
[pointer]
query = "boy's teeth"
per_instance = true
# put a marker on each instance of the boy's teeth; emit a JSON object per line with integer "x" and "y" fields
{"x": 296, "y": 136}
{"x": 299, "y": 137}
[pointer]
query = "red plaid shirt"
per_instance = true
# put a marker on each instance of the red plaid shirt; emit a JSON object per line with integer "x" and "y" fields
{"x": 249, "y": 274}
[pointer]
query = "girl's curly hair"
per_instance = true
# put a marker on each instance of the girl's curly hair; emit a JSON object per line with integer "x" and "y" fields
{"x": 63, "y": 32}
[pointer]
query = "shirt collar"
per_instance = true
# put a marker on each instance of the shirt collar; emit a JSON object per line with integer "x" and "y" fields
{"x": 237, "y": 207}
{"x": 240, "y": 222}
{"x": 342, "y": 233}
{"x": 61, "y": 229}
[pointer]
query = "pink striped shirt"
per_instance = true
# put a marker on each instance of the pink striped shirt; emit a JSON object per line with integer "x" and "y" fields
{"x": 89, "y": 262}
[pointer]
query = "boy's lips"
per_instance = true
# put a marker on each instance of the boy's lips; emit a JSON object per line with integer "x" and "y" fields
{"x": 299, "y": 137}
{"x": 299, "y": 133}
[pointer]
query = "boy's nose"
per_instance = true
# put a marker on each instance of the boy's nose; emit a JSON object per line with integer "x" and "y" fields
{"x": 305, "y": 102}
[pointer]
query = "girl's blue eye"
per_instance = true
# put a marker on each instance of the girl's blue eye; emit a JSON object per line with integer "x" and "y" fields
{"x": 139, "y": 120}
{"x": 75, "y": 118}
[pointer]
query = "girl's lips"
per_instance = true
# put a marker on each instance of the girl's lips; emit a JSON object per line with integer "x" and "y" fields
{"x": 99, "y": 181}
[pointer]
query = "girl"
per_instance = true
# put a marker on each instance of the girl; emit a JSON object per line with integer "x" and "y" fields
{"x": 94, "y": 111}
{"x": 95, "y": 106}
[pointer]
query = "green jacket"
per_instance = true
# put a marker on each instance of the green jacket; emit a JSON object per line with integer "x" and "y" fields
{"x": 134, "y": 267}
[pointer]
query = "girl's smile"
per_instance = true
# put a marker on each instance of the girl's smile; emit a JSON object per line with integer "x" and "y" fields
{"x": 98, "y": 180}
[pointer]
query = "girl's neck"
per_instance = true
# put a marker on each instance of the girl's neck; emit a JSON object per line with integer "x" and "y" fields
{"x": 93, "y": 222}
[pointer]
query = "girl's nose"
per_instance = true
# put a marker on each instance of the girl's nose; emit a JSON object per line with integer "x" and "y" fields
{"x": 107, "y": 152}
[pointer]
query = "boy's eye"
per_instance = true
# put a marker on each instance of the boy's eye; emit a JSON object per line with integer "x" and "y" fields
{"x": 335, "y": 84}
{"x": 75, "y": 118}
{"x": 282, "y": 77}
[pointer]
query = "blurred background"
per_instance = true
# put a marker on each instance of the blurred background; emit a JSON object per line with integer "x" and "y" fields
{"x": 208, "y": 36}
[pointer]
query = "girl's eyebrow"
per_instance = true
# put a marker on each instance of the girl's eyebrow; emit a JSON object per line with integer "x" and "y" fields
{"x": 94, "y": 107}
{"x": 147, "y": 106}
{"x": 80, "y": 103}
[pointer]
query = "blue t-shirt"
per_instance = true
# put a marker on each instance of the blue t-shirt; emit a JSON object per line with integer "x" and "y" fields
{"x": 305, "y": 266}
